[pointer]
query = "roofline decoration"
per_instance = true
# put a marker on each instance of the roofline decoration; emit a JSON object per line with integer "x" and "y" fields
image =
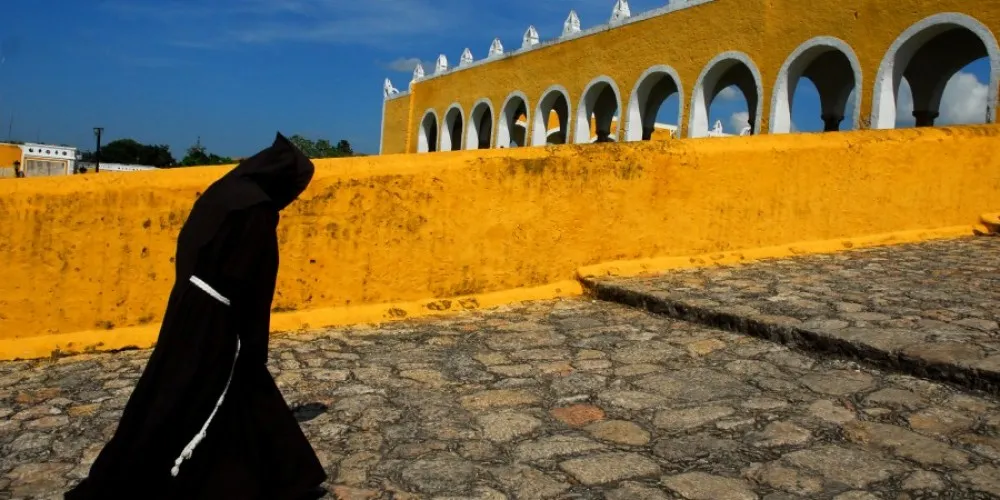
{"x": 466, "y": 58}
{"x": 621, "y": 16}
{"x": 530, "y": 38}
{"x": 620, "y": 12}
{"x": 571, "y": 25}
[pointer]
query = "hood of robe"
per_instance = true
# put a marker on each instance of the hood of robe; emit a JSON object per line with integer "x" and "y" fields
{"x": 281, "y": 171}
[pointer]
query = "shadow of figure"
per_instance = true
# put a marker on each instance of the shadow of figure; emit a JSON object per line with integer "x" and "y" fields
{"x": 309, "y": 411}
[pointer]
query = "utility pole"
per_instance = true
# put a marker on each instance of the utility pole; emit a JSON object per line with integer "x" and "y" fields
{"x": 97, "y": 153}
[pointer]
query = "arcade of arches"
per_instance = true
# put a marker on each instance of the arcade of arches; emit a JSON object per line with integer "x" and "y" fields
{"x": 925, "y": 56}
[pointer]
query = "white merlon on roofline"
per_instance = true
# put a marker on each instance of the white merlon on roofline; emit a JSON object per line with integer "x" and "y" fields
{"x": 572, "y": 24}
{"x": 620, "y": 12}
{"x": 388, "y": 90}
{"x": 621, "y": 9}
{"x": 496, "y": 48}
{"x": 441, "y": 65}
{"x": 466, "y": 58}
{"x": 530, "y": 38}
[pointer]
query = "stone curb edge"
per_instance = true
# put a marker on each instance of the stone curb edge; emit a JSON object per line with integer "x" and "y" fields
{"x": 145, "y": 337}
{"x": 969, "y": 377}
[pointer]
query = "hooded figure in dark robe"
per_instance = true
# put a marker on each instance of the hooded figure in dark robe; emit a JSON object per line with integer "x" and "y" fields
{"x": 206, "y": 420}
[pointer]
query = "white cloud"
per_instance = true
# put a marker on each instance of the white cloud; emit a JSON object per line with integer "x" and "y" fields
{"x": 739, "y": 121}
{"x": 731, "y": 93}
{"x": 904, "y": 105}
{"x": 407, "y": 64}
{"x": 849, "y": 109}
{"x": 963, "y": 101}
{"x": 228, "y": 22}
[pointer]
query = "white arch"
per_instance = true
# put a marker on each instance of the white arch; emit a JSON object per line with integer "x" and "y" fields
{"x": 897, "y": 58}
{"x": 423, "y": 133}
{"x": 633, "y": 125}
{"x": 791, "y": 71}
{"x": 698, "y": 122}
{"x": 539, "y": 135}
{"x": 453, "y": 111}
{"x": 475, "y": 116}
{"x": 586, "y": 107}
{"x": 507, "y": 121}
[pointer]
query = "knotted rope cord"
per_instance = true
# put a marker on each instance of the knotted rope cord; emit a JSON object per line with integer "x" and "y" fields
{"x": 189, "y": 449}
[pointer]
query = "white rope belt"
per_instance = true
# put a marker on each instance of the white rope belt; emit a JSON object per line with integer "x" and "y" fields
{"x": 209, "y": 290}
{"x": 189, "y": 449}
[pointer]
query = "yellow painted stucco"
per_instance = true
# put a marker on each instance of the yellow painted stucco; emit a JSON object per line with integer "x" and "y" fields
{"x": 396, "y": 116}
{"x": 93, "y": 253}
{"x": 768, "y": 31}
{"x": 9, "y": 153}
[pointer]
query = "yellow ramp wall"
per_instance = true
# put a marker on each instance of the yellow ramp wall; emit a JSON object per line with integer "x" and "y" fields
{"x": 94, "y": 252}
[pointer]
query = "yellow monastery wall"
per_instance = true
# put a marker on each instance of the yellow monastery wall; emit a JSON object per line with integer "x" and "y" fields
{"x": 87, "y": 259}
{"x": 395, "y": 117}
{"x": 687, "y": 40}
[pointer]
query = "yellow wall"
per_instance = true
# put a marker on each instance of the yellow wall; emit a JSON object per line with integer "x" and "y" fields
{"x": 9, "y": 153}
{"x": 396, "y": 117}
{"x": 94, "y": 252}
{"x": 768, "y": 30}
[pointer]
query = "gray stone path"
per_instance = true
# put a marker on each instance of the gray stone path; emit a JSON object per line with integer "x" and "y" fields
{"x": 930, "y": 309}
{"x": 566, "y": 399}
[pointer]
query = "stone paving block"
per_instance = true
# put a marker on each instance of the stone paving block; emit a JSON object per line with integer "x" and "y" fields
{"x": 527, "y": 482}
{"x": 619, "y": 431}
{"x": 422, "y": 416}
{"x": 503, "y": 427}
{"x": 610, "y": 467}
{"x": 702, "y": 486}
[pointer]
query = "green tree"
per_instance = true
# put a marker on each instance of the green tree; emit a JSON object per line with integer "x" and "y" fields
{"x": 132, "y": 152}
{"x": 321, "y": 148}
{"x": 198, "y": 155}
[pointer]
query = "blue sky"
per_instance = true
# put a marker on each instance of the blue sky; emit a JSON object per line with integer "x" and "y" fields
{"x": 234, "y": 71}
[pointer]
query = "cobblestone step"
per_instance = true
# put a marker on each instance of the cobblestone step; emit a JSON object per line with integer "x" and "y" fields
{"x": 928, "y": 310}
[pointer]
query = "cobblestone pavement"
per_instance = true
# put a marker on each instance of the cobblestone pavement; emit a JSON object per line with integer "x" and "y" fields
{"x": 565, "y": 399}
{"x": 930, "y": 309}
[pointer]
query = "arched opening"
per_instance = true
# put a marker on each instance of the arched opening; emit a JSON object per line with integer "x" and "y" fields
{"x": 427, "y": 136}
{"x": 598, "y": 110}
{"x": 649, "y": 97}
{"x": 551, "y": 118}
{"x": 964, "y": 99}
{"x": 941, "y": 53}
{"x": 727, "y": 76}
{"x": 513, "y": 123}
{"x": 824, "y": 71}
{"x": 451, "y": 132}
{"x": 480, "y": 131}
